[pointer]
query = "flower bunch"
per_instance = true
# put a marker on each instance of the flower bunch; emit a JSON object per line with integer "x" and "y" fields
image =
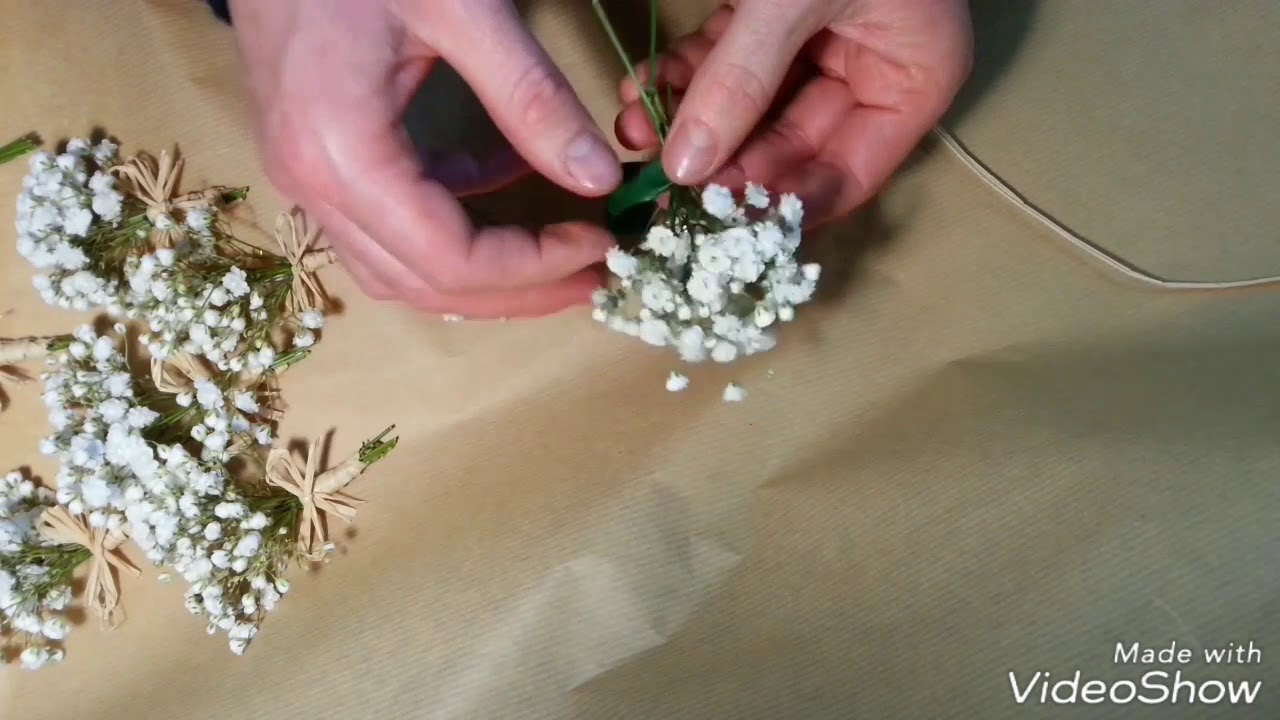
{"x": 715, "y": 273}
{"x": 35, "y": 575}
{"x": 712, "y": 284}
{"x": 163, "y": 426}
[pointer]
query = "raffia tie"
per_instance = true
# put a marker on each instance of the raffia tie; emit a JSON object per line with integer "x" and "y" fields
{"x": 20, "y": 350}
{"x": 154, "y": 184}
{"x": 61, "y": 527}
{"x": 304, "y": 261}
{"x": 178, "y": 374}
{"x": 319, "y": 494}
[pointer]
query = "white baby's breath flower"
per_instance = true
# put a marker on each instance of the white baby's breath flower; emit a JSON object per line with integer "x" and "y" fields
{"x": 248, "y": 545}
{"x": 621, "y": 264}
{"x": 791, "y": 209}
{"x": 718, "y": 201}
{"x": 199, "y": 219}
{"x": 677, "y": 382}
{"x": 236, "y": 283}
{"x": 55, "y": 628}
{"x": 208, "y": 395}
{"x": 34, "y": 658}
{"x": 246, "y": 402}
{"x": 312, "y": 319}
{"x": 712, "y": 287}
{"x": 304, "y": 339}
{"x": 734, "y": 393}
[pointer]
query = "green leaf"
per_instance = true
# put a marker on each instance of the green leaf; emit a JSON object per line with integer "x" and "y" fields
{"x": 632, "y": 206}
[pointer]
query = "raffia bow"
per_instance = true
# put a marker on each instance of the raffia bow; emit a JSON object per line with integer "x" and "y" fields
{"x": 61, "y": 527}
{"x": 154, "y": 183}
{"x": 305, "y": 293}
{"x": 178, "y": 374}
{"x": 319, "y": 494}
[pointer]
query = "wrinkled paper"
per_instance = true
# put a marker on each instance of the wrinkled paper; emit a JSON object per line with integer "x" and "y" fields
{"x": 981, "y": 453}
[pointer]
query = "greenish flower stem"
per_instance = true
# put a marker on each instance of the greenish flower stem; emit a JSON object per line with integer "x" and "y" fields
{"x": 657, "y": 115}
{"x": 17, "y": 148}
{"x": 378, "y": 448}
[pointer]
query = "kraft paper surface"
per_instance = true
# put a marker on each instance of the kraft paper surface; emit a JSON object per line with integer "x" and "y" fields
{"x": 982, "y": 453}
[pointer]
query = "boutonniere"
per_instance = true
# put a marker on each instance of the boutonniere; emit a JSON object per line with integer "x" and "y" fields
{"x": 708, "y": 272}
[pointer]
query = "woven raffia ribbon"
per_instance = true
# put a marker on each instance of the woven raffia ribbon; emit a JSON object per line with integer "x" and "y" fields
{"x": 61, "y": 527}
{"x": 153, "y": 182}
{"x": 178, "y": 374}
{"x": 319, "y": 494}
{"x": 304, "y": 261}
{"x": 20, "y": 350}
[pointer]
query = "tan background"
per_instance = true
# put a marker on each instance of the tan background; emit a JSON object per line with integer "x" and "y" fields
{"x": 984, "y": 454}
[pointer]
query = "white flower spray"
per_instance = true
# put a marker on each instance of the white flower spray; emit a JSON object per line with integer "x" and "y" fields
{"x": 174, "y": 457}
{"x": 713, "y": 282}
{"x": 715, "y": 273}
{"x": 35, "y": 576}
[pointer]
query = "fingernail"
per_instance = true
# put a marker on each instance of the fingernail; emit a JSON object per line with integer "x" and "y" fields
{"x": 692, "y": 149}
{"x": 590, "y": 161}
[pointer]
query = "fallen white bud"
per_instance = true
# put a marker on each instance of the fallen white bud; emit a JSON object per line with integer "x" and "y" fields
{"x": 677, "y": 382}
{"x": 734, "y": 393}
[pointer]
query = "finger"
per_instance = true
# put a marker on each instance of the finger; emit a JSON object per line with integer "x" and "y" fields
{"x": 528, "y": 97}
{"x": 634, "y": 129}
{"x": 678, "y": 62}
{"x": 735, "y": 86}
{"x": 530, "y": 302}
{"x": 465, "y": 173}
{"x": 380, "y": 276}
{"x": 376, "y": 273}
{"x": 675, "y": 70}
{"x": 794, "y": 138}
{"x": 358, "y": 159}
{"x": 888, "y": 120}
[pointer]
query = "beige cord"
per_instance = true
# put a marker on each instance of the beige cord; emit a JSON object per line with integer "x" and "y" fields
{"x": 1080, "y": 243}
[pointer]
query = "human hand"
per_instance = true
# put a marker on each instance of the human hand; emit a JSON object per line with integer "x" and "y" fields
{"x": 330, "y": 82}
{"x": 823, "y": 98}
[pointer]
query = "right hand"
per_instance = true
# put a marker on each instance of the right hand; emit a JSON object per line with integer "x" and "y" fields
{"x": 330, "y": 80}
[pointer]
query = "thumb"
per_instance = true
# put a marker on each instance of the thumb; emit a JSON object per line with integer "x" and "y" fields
{"x": 735, "y": 86}
{"x": 528, "y": 97}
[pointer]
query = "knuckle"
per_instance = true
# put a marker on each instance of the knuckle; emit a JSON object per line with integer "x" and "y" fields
{"x": 540, "y": 93}
{"x": 736, "y": 85}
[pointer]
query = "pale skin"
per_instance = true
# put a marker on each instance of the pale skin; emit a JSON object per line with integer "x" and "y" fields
{"x": 825, "y": 98}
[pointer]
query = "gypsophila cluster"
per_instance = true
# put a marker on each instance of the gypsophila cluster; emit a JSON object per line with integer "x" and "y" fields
{"x": 209, "y": 315}
{"x": 174, "y": 460}
{"x": 35, "y": 576}
{"x": 69, "y": 209}
{"x": 122, "y": 461}
{"x": 712, "y": 282}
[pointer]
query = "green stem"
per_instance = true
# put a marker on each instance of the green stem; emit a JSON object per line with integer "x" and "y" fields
{"x": 656, "y": 115}
{"x": 17, "y": 148}
{"x": 653, "y": 47}
{"x": 377, "y": 448}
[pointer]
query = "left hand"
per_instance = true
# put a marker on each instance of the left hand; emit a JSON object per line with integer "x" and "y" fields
{"x": 823, "y": 98}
